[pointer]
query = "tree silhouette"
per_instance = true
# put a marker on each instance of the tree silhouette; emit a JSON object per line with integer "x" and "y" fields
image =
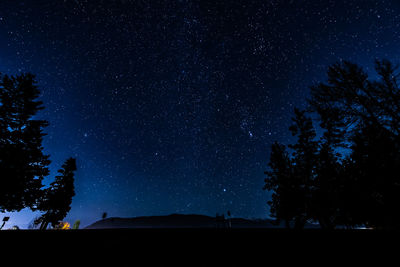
{"x": 292, "y": 178}
{"x": 350, "y": 98}
{"x": 304, "y": 158}
{"x": 326, "y": 192}
{"x": 369, "y": 121}
{"x": 58, "y": 197}
{"x": 361, "y": 187}
{"x": 22, "y": 162}
{"x": 374, "y": 168}
{"x": 279, "y": 180}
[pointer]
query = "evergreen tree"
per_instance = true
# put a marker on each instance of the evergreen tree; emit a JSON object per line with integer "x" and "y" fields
{"x": 279, "y": 181}
{"x": 22, "y": 162}
{"x": 291, "y": 178}
{"x": 349, "y": 98}
{"x": 304, "y": 159}
{"x": 325, "y": 201}
{"x": 58, "y": 197}
{"x": 363, "y": 115}
{"x": 374, "y": 167}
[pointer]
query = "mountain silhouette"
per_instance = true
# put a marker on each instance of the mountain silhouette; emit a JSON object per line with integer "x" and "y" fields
{"x": 183, "y": 221}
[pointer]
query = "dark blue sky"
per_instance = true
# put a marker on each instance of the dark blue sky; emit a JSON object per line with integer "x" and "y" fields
{"x": 171, "y": 106}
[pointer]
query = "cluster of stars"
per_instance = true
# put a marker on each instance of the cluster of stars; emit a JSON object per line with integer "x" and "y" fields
{"x": 171, "y": 106}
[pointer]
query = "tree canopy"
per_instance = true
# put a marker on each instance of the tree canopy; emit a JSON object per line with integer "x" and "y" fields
{"x": 361, "y": 187}
{"x": 23, "y": 164}
{"x": 57, "y": 198}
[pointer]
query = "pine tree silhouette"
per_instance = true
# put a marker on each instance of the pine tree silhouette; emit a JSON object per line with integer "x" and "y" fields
{"x": 361, "y": 187}
{"x": 279, "y": 180}
{"x": 22, "y": 162}
{"x": 366, "y": 113}
{"x": 304, "y": 159}
{"x": 58, "y": 197}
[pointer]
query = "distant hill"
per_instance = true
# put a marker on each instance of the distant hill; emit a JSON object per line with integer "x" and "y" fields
{"x": 182, "y": 221}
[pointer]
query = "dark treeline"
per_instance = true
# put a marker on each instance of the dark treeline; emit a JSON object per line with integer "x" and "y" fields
{"x": 312, "y": 181}
{"x": 23, "y": 165}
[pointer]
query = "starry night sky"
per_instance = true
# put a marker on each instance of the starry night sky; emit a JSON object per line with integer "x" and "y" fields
{"x": 171, "y": 106}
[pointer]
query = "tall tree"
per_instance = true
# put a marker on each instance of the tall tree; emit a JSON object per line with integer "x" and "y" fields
{"x": 350, "y": 98}
{"x": 364, "y": 115}
{"x": 23, "y": 165}
{"x": 279, "y": 181}
{"x": 375, "y": 165}
{"x": 325, "y": 200}
{"x": 291, "y": 178}
{"x": 57, "y": 198}
{"x": 304, "y": 159}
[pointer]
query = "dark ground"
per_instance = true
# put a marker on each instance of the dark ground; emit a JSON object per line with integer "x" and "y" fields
{"x": 199, "y": 247}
